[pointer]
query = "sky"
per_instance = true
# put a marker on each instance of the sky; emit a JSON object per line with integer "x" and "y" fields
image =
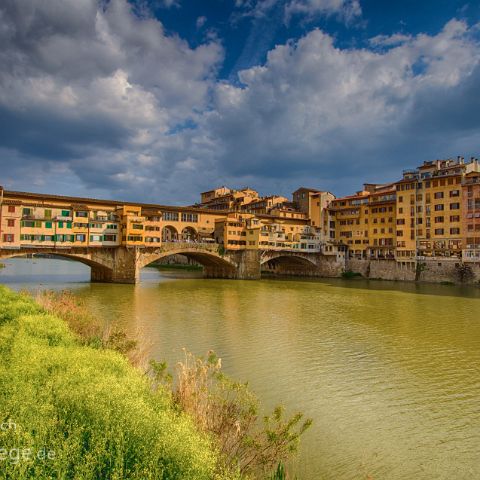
{"x": 159, "y": 100}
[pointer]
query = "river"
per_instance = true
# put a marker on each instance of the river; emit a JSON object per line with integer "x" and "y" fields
{"x": 389, "y": 372}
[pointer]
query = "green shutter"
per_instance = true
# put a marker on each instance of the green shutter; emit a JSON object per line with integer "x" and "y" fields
{"x": 69, "y": 224}
{"x": 48, "y": 224}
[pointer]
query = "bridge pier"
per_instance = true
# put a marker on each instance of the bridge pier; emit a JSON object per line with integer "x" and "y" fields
{"x": 248, "y": 266}
{"x": 124, "y": 267}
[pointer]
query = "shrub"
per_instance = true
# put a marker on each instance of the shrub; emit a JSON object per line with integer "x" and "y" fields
{"x": 230, "y": 411}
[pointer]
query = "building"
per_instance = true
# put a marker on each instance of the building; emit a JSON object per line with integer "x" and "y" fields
{"x": 46, "y": 221}
{"x": 224, "y": 198}
{"x": 380, "y": 218}
{"x": 314, "y": 203}
{"x": 349, "y": 223}
{"x": 264, "y": 205}
{"x": 471, "y": 215}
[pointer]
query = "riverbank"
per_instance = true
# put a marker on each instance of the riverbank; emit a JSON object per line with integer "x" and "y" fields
{"x": 69, "y": 376}
{"x": 73, "y": 411}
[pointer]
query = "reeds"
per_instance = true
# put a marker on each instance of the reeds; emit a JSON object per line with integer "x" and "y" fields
{"x": 229, "y": 411}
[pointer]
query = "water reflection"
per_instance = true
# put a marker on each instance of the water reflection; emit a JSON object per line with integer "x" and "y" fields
{"x": 389, "y": 371}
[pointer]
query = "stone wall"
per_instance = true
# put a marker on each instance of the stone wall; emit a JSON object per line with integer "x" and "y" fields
{"x": 428, "y": 270}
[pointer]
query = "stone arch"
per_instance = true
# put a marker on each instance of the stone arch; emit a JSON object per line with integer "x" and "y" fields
{"x": 208, "y": 259}
{"x": 169, "y": 233}
{"x": 288, "y": 258}
{"x": 101, "y": 270}
{"x": 189, "y": 234}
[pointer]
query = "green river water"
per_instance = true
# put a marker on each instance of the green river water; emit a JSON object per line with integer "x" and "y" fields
{"x": 389, "y": 372}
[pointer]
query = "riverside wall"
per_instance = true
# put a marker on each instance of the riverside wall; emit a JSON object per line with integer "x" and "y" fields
{"x": 428, "y": 270}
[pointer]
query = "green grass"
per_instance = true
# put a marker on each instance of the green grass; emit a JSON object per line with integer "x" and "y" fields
{"x": 90, "y": 407}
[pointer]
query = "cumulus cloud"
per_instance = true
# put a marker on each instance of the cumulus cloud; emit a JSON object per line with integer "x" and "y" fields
{"x": 103, "y": 101}
{"x": 79, "y": 82}
{"x": 316, "y": 108}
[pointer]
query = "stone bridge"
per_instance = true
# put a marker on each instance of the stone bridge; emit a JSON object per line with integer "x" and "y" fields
{"x": 123, "y": 264}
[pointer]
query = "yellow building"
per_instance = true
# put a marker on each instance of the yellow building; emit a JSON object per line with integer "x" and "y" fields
{"x": 471, "y": 215}
{"x": 429, "y": 222}
{"x": 227, "y": 199}
{"x": 314, "y": 204}
{"x": 380, "y": 217}
{"x": 350, "y": 222}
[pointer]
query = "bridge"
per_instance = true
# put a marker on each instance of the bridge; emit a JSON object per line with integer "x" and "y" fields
{"x": 122, "y": 264}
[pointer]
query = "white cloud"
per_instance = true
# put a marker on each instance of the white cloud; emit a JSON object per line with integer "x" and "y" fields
{"x": 347, "y": 10}
{"x": 314, "y": 107}
{"x": 109, "y": 101}
{"x": 201, "y": 22}
{"x": 170, "y": 3}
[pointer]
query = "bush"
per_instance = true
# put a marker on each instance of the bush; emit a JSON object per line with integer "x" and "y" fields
{"x": 230, "y": 411}
{"x": 95, "y": 412}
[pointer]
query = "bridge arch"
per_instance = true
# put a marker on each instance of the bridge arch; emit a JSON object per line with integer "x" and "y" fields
{"x": 206, "y": 258}
{"x": 169, "y": 233}
{"x": 100, "y": 268}
{"x": 189, "y": 234}
{"x": 287, "y": 257}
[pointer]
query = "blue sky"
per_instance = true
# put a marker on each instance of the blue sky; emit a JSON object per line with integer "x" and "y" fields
{"x": 157, "y": 100}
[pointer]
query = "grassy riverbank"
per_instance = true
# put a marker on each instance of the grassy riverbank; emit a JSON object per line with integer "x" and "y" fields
{"x": 68, "y": 410}
{"x": 75, "y": 404}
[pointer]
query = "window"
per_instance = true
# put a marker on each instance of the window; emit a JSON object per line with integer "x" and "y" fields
{"x": 95, "y": 238}
{"x": 8, "y": 238}
{"x": 439, "y": 219}
{"x": 137, "y": 226}
{"x": 80, "y": 237}
{"x": 26, "y": 211}
{"x": 48, "y": 213}
{"x": 10, "y": 222}
{"x": 81, "y": 214}
{"x": 189, "y": 217}
{"x": 454, "y": 231}
{"x": 110, "y": 238}
{"x": 66, "y": 213}
{"x": 439, "y": 231}
{"x": 11, "y": 209}
{"x": 439, "y": 207}
{"x": 455, "y": 218}
{"x": 438, "y": 195}
{"x": 454, "y": 206}
{"x": 171, "y": 216}
{"x": 454, "y": 193}
{"x": 48, "y": 224}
